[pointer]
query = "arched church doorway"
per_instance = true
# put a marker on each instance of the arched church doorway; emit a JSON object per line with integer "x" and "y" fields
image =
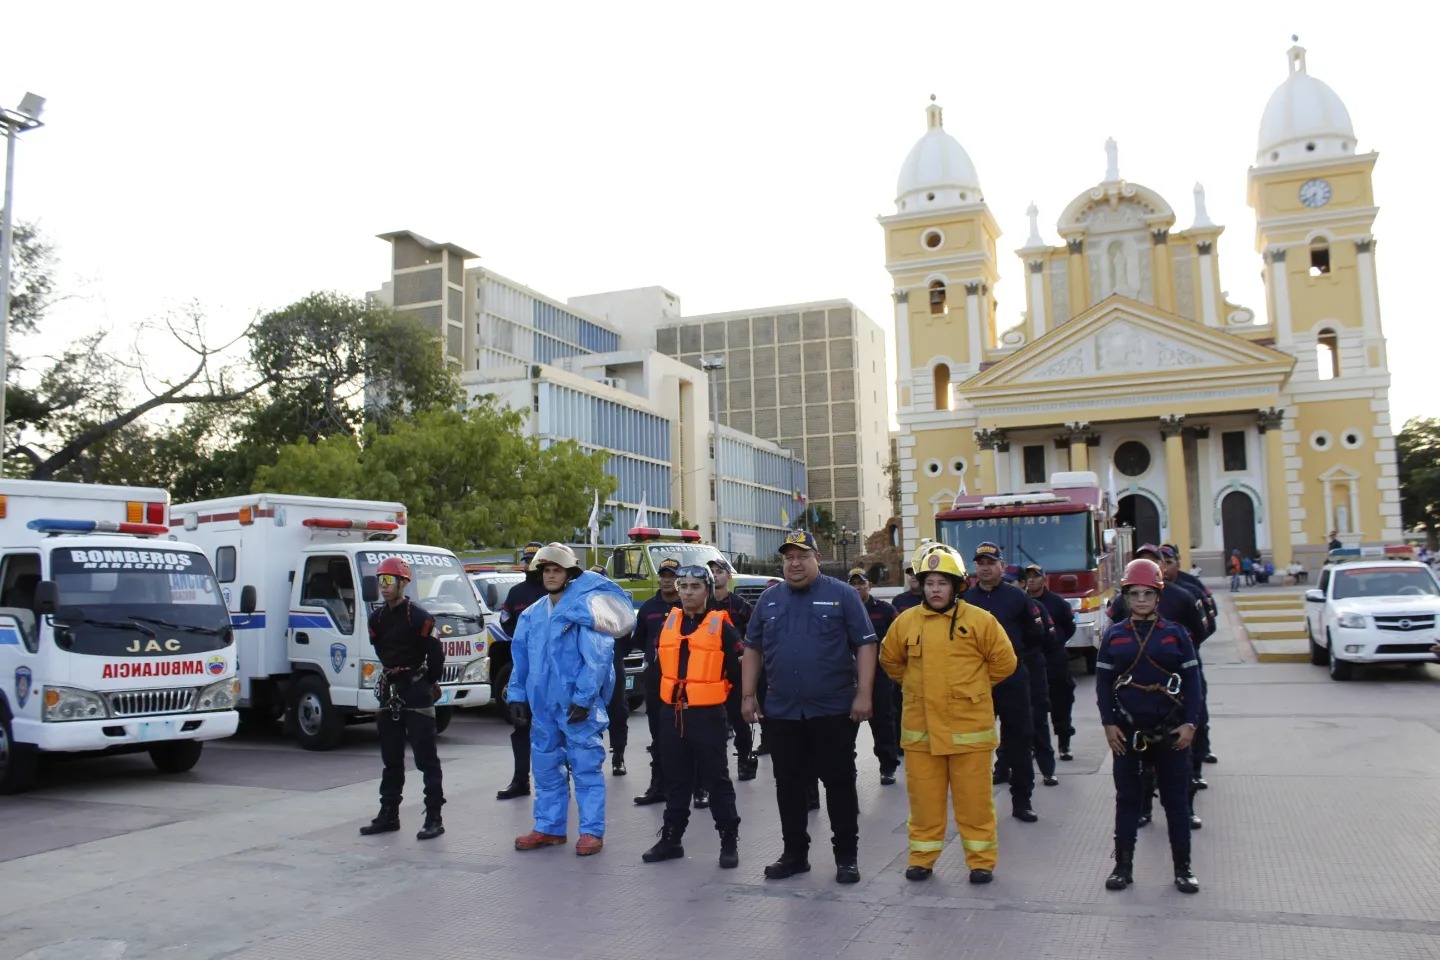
{"x": 1237, "y": 521}
{"x": 1140, "y": 512}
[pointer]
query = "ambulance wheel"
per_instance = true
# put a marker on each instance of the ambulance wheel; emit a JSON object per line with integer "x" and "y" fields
{"x": 17, "y": 760}
{"x": 178, "y": 756}
{"x": 318, "y": 725}
{"x": 443, "y": 716}
{"x": 498, "y": 683}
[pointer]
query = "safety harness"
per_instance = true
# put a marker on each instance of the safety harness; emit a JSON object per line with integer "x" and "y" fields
{"x": 1141, "y": 739}
{"x": 388, "y": 695}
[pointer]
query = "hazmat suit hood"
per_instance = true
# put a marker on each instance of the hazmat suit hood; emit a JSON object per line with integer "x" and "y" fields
{"x": 598, "y": 603}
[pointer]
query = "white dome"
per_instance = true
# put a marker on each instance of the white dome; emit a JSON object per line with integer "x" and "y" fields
{"x": 1304, "y": 120}
{"x": 937, "y": 173}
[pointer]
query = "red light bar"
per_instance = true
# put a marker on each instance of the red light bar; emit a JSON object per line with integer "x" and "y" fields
{"x": 692, "y": 536}
{"x": 339, "y": 523}
{"x": 642, "y": 534}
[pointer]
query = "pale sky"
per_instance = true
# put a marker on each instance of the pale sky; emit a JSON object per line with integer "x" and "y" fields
{"x": 738, "y": 154}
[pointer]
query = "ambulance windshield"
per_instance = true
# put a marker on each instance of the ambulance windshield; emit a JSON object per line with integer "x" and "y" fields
{"x": 440, "y": 585}
{"x": 147, "y": 601}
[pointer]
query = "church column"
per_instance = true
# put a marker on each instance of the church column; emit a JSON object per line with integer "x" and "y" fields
{"x": 1177, "y": 494}
{"x": 904, "y": 366}
{"x": 1077, "y": 276}
{"x": 1269, "y": 423}
{"x": 1161, "y": 270}
{"x": 972, "y": 320}
{"x": 1280, "y": 286}
{"x": 1365, "y": 269}
{"x": 1037, "y": 300}
{"x": 1079, "y": 438}
{"x": 1209, "y": 313}
{"x": 995, "y": 441}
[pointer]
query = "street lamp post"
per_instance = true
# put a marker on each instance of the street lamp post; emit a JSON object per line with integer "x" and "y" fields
{"x": 843, "y": 542}
{"x": 713, "y": 366}
{"x": 25, "y": 117}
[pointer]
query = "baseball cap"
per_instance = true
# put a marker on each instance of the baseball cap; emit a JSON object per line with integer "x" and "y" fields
{"x": 800, "y": 538}
{"x": 988, "y": 549}
{"x": 669, "y": 565}
{"x": 1168, "y": 552}
{"x": 1010, "y": 576}
{"x": 1035, "y": 569}
{"x": 1149, "y": 548}
{"x": 857, "y": 573}
{"x": 720, "y": 562}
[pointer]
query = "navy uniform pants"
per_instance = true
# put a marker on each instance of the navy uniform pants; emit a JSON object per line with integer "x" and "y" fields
{"x": 419, "y": 731}
{"x": 802, "y": 750}
{"x": 1017, "y": 733}
{"x": 617, "y": 708}
{"x": 744, "y": 738}
{"x": 884, "y": 722}
{"x": 1172, "y": 776}
{"x": 693, "y": 744}
{"x": 1201, "y": 745}
{"x": 650, "y": 680}
{"x": 1062, "y": 696}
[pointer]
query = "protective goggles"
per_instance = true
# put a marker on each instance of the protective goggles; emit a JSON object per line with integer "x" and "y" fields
{"x": 693, "y": 573}
{"x": 1141, "y": 593}
{"x": 388, "y": 579}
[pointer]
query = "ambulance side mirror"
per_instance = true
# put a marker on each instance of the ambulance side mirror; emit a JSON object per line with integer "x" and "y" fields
{"x": 47, "y": 597}
{"x": 370, "y": 589}
{"x": 247, "y": 599}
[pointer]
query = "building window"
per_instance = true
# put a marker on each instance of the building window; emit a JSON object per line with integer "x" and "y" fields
{"x": 1035, "y": 463}
{"x": 933, "y": 239}
{"x": 1132, "y": 458}
{"x": 942, "y": 386}
{"x": 1319, "y": 258}
{"x": 937, "y": 298}
{"x": 1327, "y": 355}
{"x": 1232, "y": 447}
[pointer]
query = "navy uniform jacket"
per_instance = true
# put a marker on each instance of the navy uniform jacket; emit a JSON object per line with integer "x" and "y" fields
{"x": 1061, "y": 615}
{"x": 904, "y": 601}
{"x": 1022, "y": 618}
{"x": 739, "y": 609}
{"x": 881, "y": 616}
{"x": 521, "y": 595}
{"x": 1169, "y": 647}
{"x": 1207, "y": 600}
{"x": 648, "y": 622}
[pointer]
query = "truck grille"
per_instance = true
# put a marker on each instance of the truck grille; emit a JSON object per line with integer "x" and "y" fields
{"x": 751, "y": 594}
{"x": 1404, "y": 623}
{"x": 1403, "y": 648}
{"x": 634, "y": 660}
{"x": 453, "y": 672}
{"x": 142, "y": 703}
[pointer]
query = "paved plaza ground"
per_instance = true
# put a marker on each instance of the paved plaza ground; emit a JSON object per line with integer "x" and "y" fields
{"x": 1321, "y": 839}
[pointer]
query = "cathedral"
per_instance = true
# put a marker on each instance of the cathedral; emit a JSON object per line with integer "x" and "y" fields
{"x": 1209, "y": 426}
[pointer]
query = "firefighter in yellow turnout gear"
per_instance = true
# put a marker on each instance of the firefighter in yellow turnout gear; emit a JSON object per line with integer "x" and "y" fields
{"x": 946, "y": 655}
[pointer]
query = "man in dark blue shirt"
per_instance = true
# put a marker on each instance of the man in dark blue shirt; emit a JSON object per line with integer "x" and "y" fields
{"x": 912, "y": 595}
{"x": 648, "y": 621}
{"x": 819, "y": 654}
{"x": 739, "y": 610}
{"x": 884, "y": 726}
{"x": 1022, "y": 699}
{"x": 1057, "y": 659}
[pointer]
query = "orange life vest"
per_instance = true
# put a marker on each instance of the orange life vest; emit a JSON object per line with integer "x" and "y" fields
{"x": 704, "y": 683}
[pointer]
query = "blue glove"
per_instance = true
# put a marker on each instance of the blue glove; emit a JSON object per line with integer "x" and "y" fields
{"x": 577, "y": 714}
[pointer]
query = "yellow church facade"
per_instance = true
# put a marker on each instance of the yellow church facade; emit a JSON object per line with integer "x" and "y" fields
{"x": 1212, "y": 427}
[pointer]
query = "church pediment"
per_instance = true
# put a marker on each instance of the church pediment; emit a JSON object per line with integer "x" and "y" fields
{"x": 1121, "y": 342}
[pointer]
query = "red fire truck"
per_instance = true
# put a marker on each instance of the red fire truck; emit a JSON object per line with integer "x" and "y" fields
{"x": 1065, "y": 529}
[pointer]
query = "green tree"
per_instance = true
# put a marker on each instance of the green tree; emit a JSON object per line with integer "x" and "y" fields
{"x": 1417, "y": 449}
{"x": 468, "y": 479}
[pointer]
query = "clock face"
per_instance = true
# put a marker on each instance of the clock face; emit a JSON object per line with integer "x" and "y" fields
{"x": 1315, "y": 193}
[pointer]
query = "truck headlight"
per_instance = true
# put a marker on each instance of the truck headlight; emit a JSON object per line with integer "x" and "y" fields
{"x": 68, "y": 703}
{"x": 221, "y": 695}
{"x": 1352, "y": 621}
{"x": 476, "y": 671}
{"x": 368, "y": 670}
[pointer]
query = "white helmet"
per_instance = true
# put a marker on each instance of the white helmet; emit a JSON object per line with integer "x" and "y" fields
{"x": 558, "y": 554}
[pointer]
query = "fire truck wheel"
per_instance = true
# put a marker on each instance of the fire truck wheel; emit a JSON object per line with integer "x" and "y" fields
{"x": 443, "y": 716}
{"x": 177, "y": 756}
{"x": 17, "y": 760}
{"x": 318, "y": 725}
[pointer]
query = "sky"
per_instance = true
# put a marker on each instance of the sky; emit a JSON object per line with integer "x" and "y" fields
{"x": 240, "y": 156}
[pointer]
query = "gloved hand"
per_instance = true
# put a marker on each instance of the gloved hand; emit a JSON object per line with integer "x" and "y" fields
{"x": 577, "y": 714}
{"x": 435, "y": 693}
{"x": 519, "y": 713}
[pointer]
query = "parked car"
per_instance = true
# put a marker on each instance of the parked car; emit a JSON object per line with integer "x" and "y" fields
{"x": 1372, "y": 611}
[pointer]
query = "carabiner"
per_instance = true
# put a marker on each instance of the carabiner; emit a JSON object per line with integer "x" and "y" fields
{"x": 1172, "y": 686}
{"x": 1125, "y": 681}
{"x": 1138, "y": 742}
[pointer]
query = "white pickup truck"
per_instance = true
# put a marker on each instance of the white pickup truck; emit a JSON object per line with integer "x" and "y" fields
{"x": 1372, "y": 611}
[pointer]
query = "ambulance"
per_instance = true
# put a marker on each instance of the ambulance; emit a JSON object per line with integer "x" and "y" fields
{"x": 114, "y": 636}
{"x": 299, "y": 576}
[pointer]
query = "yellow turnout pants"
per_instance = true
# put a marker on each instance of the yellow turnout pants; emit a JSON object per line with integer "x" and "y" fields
{"x": 967, "y": 777}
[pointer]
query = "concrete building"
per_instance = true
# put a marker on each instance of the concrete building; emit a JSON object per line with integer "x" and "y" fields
{"x": 579, "y": 382}
{"x": 1221, "y": 430}
{"x": 809, "y": 377}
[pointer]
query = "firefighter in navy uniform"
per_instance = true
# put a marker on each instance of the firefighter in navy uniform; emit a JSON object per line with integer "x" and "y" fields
{"x": 1057, "y": 658}
{"x": 1147, "y": 686}
{"x": 697, "y": 653}
{"x": 521, "y": 595}
{"x": 1201, "y": 753}
{"x": 411, "y": 661}
{"x": 648, "y": 621}
{"x": 734, "y": 605}
{"x": 884, "y": 723}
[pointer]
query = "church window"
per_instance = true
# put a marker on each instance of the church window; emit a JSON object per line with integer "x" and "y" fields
{"x": 929, "y": 196}
{"x": 1132, "y": 458}
{"x": 942, "y": 386}
{"x": 1232, "y": 445}
{"x": 932, "y": 239}
{"x": 1351, "y": 439}
{"x": 1034, "y": 463}
{"x": 937, "y": 298}
{"x": 1319, "y": 258}
{"x": 1327, "y": 355}
{"x": 933, "y": 468}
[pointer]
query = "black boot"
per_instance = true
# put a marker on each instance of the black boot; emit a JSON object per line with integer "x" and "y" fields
{"x": 519, "y": 787}
{"x": 730, "y": 845}
{"x": 747, "y": 766}
{"x": 1065, "y": 753}
{"x": 386, "y": 821}
{"x": 1185, "y": 881}
{"x": 433, "y": 827}
{"x": 1124, "y": 873}
{"x": 668, "y": 847}
{"x": 702, "y": 799}
{"x": 617, "y": 765}
{"x": 653, "y": 793}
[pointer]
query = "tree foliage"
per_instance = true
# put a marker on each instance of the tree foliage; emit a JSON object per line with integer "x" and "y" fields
{"x": 1417, "y": 449}
{"x": 469, "y": 479}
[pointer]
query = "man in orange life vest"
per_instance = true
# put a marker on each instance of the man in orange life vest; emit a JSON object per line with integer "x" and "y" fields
{"x": 699, "y": 664}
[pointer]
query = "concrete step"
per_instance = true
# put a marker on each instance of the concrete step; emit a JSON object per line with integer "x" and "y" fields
{"x": 1268, "y": 615}
{"x": 1276, "y": 631}
{"x": 1281, "y": 651}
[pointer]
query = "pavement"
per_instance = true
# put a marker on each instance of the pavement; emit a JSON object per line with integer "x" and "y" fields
{"x": 1321, "y": 840}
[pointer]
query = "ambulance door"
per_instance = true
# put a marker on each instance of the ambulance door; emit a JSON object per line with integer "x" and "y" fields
{"x": 322, "y": 624}
{"x": 20, "y": 675}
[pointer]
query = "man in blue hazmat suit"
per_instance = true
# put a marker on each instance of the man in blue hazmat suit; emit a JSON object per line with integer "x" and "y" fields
{"x": 562, "y": 676}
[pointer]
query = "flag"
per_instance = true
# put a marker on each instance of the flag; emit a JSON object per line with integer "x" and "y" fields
{"x": 642, "y": 516}
{"x": 815, "y": 514}
{"x": 1112, "y": 493}
{"x": 784, "y": 518}
{"x": 593, "y": 524}
{"x": 963, "y": 493}
{"x": 800, "y": 498}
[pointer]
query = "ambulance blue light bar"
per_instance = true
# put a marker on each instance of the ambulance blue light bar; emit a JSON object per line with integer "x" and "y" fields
{"x": 60, "y": 525}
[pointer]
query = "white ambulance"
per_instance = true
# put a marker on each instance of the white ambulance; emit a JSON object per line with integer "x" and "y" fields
{"x": 299, "y": 576}
{"x": 113, "y": 635}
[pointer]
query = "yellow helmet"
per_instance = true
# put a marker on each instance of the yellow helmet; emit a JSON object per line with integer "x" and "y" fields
{"x": 926, "y": 545}
{"x": 940, "y": 558}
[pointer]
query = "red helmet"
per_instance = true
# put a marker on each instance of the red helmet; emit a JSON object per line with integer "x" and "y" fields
{"x": 395, "y": 567}
{"x": 1142, "y": 573}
